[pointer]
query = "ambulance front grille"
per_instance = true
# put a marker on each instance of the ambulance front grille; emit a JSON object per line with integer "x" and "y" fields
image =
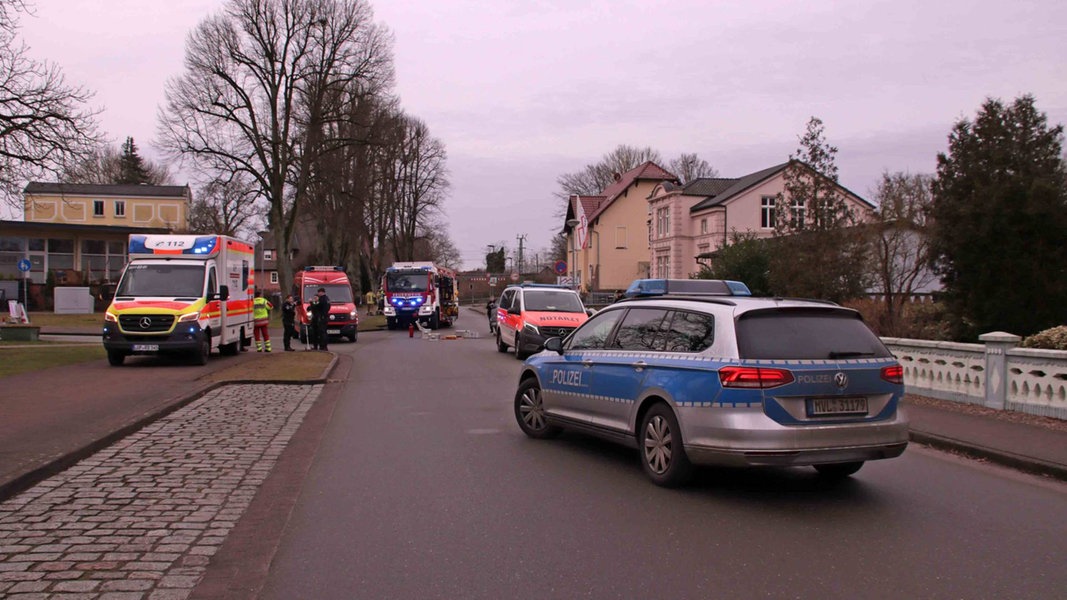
{"x": 146, "y": 323}
{"x": 560, "y": 332}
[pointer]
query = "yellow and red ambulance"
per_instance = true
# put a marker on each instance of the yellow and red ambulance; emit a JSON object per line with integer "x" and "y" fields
{"x": 182, "y": 294}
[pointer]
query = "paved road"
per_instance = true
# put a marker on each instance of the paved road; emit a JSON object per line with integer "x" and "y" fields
{"x": 423, "y": 487}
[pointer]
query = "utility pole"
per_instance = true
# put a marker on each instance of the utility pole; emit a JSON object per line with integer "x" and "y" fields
{"x": 518, "y": 263}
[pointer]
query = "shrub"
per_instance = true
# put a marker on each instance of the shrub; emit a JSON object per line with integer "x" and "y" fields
{"x": 1049, "y": 339}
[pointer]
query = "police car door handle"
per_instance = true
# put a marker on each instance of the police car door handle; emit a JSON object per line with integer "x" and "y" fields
{"x": 587, "y": 363}
{"x": 639, "y": 365}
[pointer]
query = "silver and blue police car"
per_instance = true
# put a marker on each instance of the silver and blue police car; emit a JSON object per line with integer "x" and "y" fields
{"x": 721, "y": 381}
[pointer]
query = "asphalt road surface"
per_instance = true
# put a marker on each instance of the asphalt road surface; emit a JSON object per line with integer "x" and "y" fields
{"x": 423, "y": 487}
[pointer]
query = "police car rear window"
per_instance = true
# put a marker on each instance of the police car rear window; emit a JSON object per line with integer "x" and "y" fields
{"x": 812, "y": 334}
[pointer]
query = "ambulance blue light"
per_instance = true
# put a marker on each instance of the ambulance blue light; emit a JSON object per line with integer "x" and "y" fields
{"x": 137, "y": 245}
{"x": 204, "y": 245}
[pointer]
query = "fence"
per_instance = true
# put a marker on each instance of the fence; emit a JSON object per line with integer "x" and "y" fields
{"x": 995, "y": 373}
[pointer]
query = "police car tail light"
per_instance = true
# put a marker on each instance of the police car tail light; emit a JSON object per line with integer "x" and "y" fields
{"x": 754, "y": 377}
{"x": 893, "y": 374}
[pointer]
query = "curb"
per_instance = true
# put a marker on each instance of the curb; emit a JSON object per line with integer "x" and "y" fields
{"x": 23, "y": 482}
{"x": 1019, "y": 462}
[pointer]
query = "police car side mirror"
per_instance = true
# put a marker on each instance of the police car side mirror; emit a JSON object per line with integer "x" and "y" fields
{"x": 554, "y": 344}
{"x": 589, "y": 312}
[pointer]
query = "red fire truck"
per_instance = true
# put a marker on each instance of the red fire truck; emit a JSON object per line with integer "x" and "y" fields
{"x": 343, "y": 318}
{"x": 420, "y": 291}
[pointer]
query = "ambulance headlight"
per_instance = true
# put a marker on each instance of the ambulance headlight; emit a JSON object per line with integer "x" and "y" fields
{"x": 531, "y": 328}
{"x": 110, "y": 318}
{"x": 352, "y": 314}
{"x": 194, "y": 316}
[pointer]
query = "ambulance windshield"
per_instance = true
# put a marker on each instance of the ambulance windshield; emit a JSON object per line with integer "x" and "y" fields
{"x": 407, "y": 281}
{"x": 163, "y": 280}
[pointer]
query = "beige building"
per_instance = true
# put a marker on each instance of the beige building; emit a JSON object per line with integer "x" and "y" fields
{"x": 79, "y": 232}
{"x": 607, "y": 234}
{"x": 693, "y": 220}
{"x": 159, "y": 206}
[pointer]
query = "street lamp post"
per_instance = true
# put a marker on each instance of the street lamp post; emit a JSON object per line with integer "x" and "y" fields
{"x": 597, "y": 271}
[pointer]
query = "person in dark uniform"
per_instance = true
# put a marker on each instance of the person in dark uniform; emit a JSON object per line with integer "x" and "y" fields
{"x": 320, "y": 316}
{"x": 288, "y": 322}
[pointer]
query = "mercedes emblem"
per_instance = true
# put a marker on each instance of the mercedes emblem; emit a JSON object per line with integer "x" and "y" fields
{"x": 146, "y": 322}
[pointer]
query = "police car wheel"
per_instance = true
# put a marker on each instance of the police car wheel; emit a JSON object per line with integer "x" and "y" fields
{"x": 530, "y": 411}
{"x": 662, "y": 454}
{"x": 500, "y": 345}
{"x": 837, "y": 471}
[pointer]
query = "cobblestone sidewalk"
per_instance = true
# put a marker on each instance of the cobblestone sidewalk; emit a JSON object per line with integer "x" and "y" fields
{"x": 141, "y": 519}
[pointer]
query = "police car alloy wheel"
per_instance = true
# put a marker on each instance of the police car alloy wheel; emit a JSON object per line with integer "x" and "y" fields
{"x": 530, "y": 411}
{"x": 662, "y": 454}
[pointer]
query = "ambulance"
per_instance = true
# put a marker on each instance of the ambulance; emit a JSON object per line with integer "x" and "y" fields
{"x": 182, "y": 294}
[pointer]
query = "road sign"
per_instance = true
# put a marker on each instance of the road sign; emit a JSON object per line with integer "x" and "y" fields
{"x": 24, "y": 265}
{"x": 514, "y": 276}
{"x": 561, "y": 267}
{"x": 492, "y": 281}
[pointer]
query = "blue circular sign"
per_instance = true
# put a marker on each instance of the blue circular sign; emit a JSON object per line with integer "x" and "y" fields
{"x": 561, "y": 267}
{"x": 24, "y": 265}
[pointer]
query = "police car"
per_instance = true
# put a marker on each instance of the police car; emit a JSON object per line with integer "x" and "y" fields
{"x": 721, "y": 381}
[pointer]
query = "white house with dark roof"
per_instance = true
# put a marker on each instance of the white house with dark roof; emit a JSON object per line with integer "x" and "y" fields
{"x": 689, "y": 221}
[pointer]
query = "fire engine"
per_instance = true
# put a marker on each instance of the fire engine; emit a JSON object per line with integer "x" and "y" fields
{"x": 343, "y": 318}
{"x": 419, "y": 291}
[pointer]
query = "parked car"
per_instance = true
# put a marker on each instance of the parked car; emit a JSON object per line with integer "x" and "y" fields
{"x": 530, "y": 313}
{"x": 710, "y": 380}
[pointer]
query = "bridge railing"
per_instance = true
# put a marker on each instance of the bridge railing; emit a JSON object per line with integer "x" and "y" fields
{"x": 995, "y": 373}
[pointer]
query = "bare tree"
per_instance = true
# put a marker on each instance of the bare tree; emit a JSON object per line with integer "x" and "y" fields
{"x": 228, "y": 207}
{"x": 419, "y": 177}
{"x": 901, "y": 243}
{"x": 104, "y": 166}
{"x": 434, "y": 244}
{"x": 45, "y": 122}
{"x": 593, "y": 178}
{"x": 690, "y": 167}
{"x": 258, "y": 96}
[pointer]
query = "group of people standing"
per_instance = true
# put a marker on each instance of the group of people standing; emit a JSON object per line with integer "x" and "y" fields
{"x": 319, "y": 307}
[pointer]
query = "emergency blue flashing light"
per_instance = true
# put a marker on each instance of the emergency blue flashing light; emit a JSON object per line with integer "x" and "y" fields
{"x": 204, "y": 245}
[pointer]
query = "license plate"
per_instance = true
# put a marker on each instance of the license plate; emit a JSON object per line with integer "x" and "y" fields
{"x": 333, "y": 331}
{"x": 146, "y": 347}
{"x": 818, "y": 407}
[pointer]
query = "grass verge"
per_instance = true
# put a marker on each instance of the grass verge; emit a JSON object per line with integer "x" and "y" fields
{"x": 276, "y": 366}
{"x": 22, "y": 359}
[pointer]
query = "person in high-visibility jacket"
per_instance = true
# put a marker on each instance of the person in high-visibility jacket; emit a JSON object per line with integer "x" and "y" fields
{"x": 261, "y": 308}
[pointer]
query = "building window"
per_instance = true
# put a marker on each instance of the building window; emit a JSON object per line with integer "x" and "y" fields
{"x": 98, "y": 208}
{"x": 797, "y": 214}
{"x": 704, "y": 225}
{"x": 766, "y": 218}
{"x": 663, "y": 222}
{"x": 268, "y": 255}
{"x": 274, "y": 277}
{"x": 663, "y": 266}
{"x": 120, "y": 208}
{"x": 620, "y": 237}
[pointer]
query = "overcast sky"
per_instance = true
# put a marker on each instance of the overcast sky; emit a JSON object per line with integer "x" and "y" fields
{"x": 521, "y": 91}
